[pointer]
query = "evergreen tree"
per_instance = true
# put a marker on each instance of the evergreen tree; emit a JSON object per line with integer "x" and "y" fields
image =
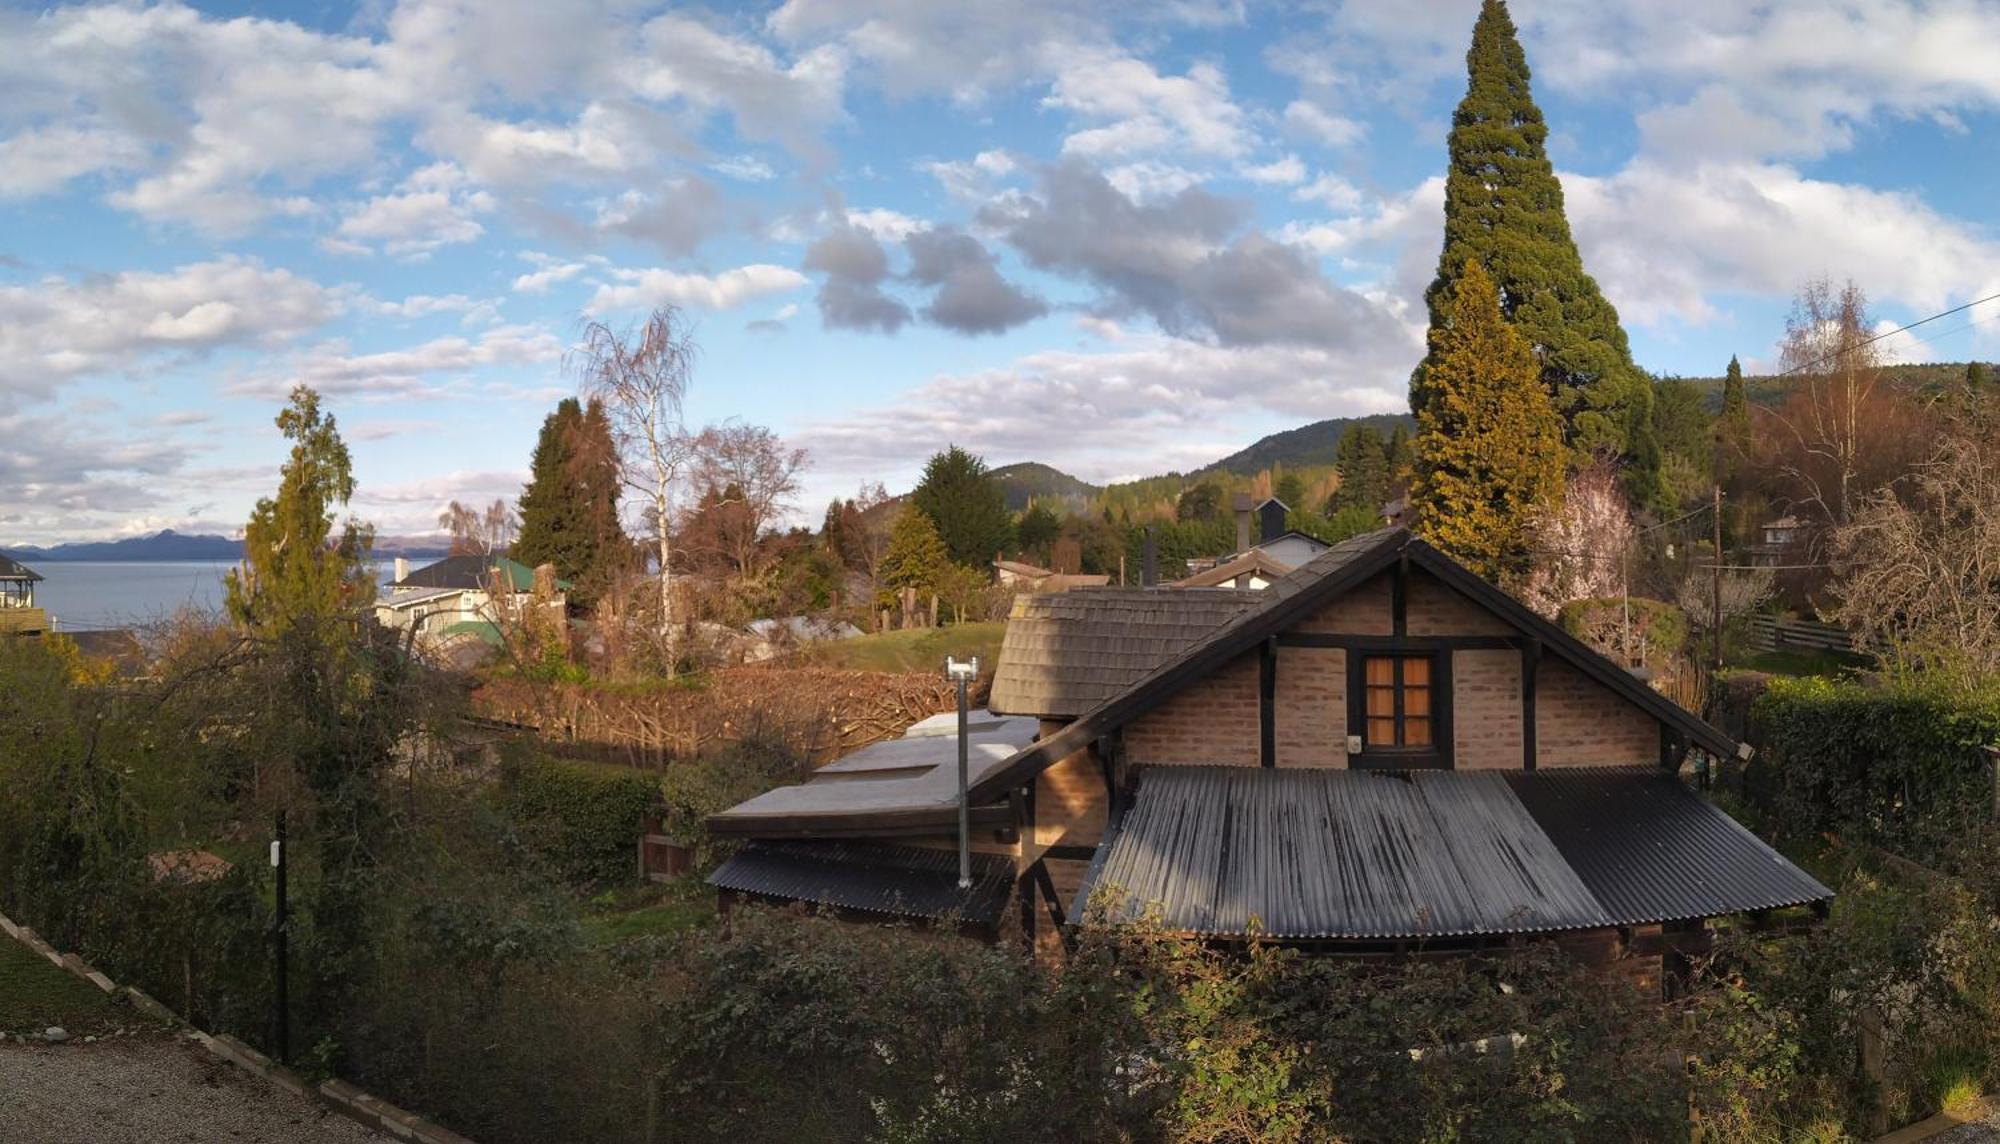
{"x": 967, "y": 506}
{"x": 1489, "y": 441}
{"x": 569, "y": 511}
{"x": 916, "y": 557}
{"x": 1975, "y": 376}
{"x": 295, "y": 569}
{"x": 1362, "y": 457}
{"x": 1037, "y": 530}
{"x": 1732, "y": 428}
{"x": 1290, "y": 488}
{"x": 1401, "y": 457}
{"x": 1201, "y": 502}
{"x": 1504, "y": 210}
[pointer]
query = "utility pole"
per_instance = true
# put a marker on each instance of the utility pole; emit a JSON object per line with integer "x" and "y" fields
{"x": 1715, "y": 581}
{"x": 283, "y": 1039}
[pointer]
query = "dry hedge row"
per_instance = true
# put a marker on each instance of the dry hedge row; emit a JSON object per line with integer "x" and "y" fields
{"x": 817, "y": 713}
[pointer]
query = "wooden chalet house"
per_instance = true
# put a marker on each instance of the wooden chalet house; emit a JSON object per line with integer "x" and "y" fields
{"x": 1379, "y": 752}
{"x": 18, "y": 613}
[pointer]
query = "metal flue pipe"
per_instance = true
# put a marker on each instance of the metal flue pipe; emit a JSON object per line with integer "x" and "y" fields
{"x": 962, "y": 673}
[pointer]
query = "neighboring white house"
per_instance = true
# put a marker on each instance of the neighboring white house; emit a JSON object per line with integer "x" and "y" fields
{"x": 461, "y": 597}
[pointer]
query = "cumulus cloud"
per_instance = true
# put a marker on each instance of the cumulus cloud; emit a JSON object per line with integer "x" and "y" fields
{"x": 57, "y": 329}
{"x": 972, "y": 297}
{"x": 851, "y": 296}
{"x": 1190, "y": 263}
{"x": 1140, "y": 110}
{"x": 677, "y": 217}
{"x": 645, "y": 289}
{"x": 434, "y": 207}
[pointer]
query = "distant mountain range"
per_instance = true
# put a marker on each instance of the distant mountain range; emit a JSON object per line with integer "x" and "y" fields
{"x": 1314, "y": 444}
{"x": 171, "y": 545}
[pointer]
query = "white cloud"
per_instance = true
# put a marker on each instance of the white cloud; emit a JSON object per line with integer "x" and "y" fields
{"x": 434, "y": 208}
{"x": 1331, "y": 191}
{"x": 644, "y": 289}
{"x": 1309, "y": 120}
{"x": 539, "y": 281}
{"x": 1282, "y": 172}
{"x": 57, "y": 329}
{"x": 748, "y": 168}
{"x": 887, "y": 225}
{"x": 1144, "y": 111}
{"x": 1666, "y": 241}
{"x": 334, "y": 370}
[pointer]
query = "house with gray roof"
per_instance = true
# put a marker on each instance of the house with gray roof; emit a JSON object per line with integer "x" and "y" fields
{"x": 1379, "y": 753}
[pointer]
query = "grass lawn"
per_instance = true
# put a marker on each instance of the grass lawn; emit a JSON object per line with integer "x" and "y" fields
{"x": 35, "y": 995}
{"x": 657, "y": 909}
{"x": 1804, "y": 662}
{"x": 916, "y": 649}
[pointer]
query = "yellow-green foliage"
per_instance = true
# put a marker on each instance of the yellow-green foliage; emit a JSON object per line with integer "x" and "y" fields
{"x": 1489, "y": 443}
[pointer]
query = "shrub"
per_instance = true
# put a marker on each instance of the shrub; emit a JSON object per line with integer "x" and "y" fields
{"x": 583, "y": 819}
{"x": 1658, "y": 631}
{"x": 1894, "y": 766}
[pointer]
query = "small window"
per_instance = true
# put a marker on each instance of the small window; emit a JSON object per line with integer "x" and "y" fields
{"x": 1396, "y": 694}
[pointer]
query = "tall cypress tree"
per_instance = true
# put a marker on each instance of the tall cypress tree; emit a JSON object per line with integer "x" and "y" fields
{"x": 569, "y": 511}
{"x": 1362, "y": 459}
{"x": 1503, "y": 209}
{"x": 1732, "y": 428}
{"x": 1489, "y": 441}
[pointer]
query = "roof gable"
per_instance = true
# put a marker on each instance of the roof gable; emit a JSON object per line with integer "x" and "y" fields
{"x": 473, "y": 572}
{"x": 1290, "y": 599}
{"x": 12, "y": 569}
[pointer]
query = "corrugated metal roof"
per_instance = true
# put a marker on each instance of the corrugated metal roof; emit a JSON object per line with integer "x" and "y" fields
{"x": 1360, "y": 855}
{"x": 905, "y": 881}
{"x": 1652, "y": 850}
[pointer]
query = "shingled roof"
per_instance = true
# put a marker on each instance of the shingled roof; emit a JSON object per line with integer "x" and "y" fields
{"x": 1064, "y": 653}
{"x": 12, "y": 569}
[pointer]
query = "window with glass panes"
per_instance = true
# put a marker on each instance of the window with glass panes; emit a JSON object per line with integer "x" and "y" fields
{"x": 1396, "y": 701}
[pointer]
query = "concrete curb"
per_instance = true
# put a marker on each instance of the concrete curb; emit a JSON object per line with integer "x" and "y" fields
{"x": 337, "y": 1095}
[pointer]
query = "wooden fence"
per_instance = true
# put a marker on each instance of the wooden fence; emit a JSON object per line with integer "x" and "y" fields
{"x": 1770, "y": 633}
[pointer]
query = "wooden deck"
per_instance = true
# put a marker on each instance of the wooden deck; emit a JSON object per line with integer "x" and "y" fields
{"x": 23, "y": 621}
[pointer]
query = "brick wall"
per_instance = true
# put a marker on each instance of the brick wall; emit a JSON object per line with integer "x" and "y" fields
{"x": 1213, "y": 721}
{"x": 1070, "y": 805}
{"x": 1365, "y": 611}
{"x": 1312, "y": 707}
{"x": 1431, "y": 608}
{"x": 1486, "y": 708}
{"x": 1579, "y": 722}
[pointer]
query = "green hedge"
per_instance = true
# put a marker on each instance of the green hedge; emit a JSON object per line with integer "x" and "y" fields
{"x": 582, "y": 818}
{"x": 1895, "y": 766}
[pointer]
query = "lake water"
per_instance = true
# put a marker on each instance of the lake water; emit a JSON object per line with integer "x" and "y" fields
{"x": 81, "y": 595}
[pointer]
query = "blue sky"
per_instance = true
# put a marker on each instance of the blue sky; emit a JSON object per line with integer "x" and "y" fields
{"x": 1119, "y": 238}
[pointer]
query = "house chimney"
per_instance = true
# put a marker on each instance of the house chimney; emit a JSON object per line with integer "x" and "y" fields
{"x": 402, "y": 569}
{"x": 1241, "y": 503}
{"x": 1272, "y": 520}
{"x": 1149, "y": 568}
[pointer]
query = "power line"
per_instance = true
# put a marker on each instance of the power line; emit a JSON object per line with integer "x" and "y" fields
{"x": 1890, "y": 334}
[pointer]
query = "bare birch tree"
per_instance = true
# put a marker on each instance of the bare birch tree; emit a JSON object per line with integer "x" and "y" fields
{"x": 1843, "y": 431}
{"x": 476, "y": 532}
{"x": 642, "y": 376}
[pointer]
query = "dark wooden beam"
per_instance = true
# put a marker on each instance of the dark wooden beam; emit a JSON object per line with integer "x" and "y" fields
{"x": 1070, "y": 852}
{"x": 1399, "y": 597}
{"x": 1047, "y": 882}
{"x": 1267, "y": 703}
{"x": 1398, "y": 643}
{"x": 1531, "y": 670}
{"x": 1024, "y": 888}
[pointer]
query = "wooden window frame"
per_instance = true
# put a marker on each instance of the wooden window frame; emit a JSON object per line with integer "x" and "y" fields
{"x": 1436, "y": 756}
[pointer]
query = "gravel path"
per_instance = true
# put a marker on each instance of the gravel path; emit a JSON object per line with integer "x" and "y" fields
{"x": 147, "y": 1089}
{"x": 1986, "y": 1131}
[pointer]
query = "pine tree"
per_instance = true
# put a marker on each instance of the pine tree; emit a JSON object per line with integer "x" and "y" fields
{"x": 1975, "y": 377}
{"x": 1504, "y": 210}
{"x": 569, "y": 511}
{"x": 916, "y": 557}
{"x": 1489, "y": 441}
{"x": 1362, "y": 458}
{"x": 294, "y": 568}
{"x": 967, "y": 506}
